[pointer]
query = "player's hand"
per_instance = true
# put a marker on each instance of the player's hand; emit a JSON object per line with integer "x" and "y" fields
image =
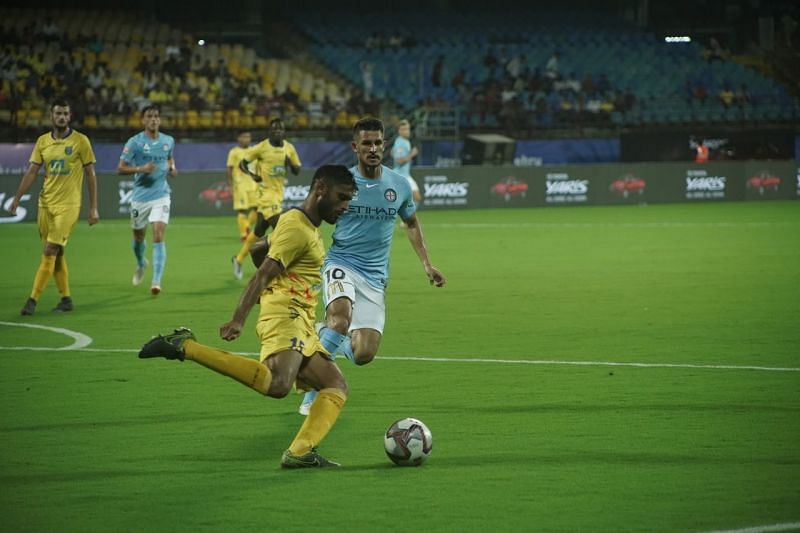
{"x": 148, "y": 168}
{"x": 413, "y": 152}
{"x": 94, "y": 217}
{"x": 230, "y": 331}
{"x": 436, "y": 278}
{"x": 13, "y": 208}
{"x": 173, "y": 172}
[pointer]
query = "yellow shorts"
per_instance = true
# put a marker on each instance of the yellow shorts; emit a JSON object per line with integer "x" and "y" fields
{"x": 56, "y": 223}
{"x": 269, "y": 203}
{"x": 244, "y": 199}
{"x": 278, "y": 334}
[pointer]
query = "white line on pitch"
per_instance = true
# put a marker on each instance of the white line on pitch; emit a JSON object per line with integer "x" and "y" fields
{"x": 762, "y": 529}
{"x": 492, "y": 361}
{"x": 80, "y": 340}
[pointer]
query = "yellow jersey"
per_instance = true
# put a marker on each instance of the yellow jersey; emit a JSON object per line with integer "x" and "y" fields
{"x": 271, "y": 164}
{"x": 297, "y": 245}
{"x": 63, "y": 161}
{"x": 241, "y": 181}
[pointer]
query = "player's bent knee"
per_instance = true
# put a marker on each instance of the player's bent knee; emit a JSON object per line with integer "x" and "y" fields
{"x": 280, "y": 387}
{"x": 338, "y": 323}
{"x": 364, "y": 357}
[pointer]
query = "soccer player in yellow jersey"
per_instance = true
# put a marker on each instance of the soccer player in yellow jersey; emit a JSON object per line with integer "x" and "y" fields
{"x": 67, "y": 157}
{"x": 287, "y": 285}
{"x": 245, "y": 189}
{"x": 272, "y": 157}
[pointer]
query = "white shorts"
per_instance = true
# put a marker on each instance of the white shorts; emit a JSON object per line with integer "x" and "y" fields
{"x": 143, "y": 213}
{"x": 413, "y": 183}
{"x": 369, "y": 303}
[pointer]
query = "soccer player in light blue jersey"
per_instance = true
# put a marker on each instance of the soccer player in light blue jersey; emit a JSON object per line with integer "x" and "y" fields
{"x": 148, "y": 156}
{"x": 403, "y": 154}
{"x": 356, "y": 268}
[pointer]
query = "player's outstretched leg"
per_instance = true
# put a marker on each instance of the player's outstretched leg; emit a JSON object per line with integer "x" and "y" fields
{"x": 168, "y": 346}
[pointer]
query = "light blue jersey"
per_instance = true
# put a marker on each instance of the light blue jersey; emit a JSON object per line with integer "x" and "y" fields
{"x": 363, "y": 235}
{"x": 140, "y": 150}
{"x": 402, "y": 148}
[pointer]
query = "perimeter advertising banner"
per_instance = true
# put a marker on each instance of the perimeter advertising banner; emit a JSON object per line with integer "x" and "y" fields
{"x": 207, "y": 193}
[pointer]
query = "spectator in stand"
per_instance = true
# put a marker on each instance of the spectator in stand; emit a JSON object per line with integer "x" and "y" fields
{"x": 437, "y": 72}
{"x": 551, "y": 68}
{"x": 726, "y": 96}
{"x": 366, "y": 78}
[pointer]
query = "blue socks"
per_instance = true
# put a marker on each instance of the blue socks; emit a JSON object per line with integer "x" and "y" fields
{"x": 335, "y": 342}
{"x": 159, "y": 260}
{"x": 138, "y": 251}
{"x": 331, "y": 340}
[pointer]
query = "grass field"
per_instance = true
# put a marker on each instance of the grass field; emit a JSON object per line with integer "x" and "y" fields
{"x": 533, "y": 431}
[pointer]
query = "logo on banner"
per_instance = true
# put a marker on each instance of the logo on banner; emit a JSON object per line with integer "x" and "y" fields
{"x": 763, "y": 183}
{"x": 628, "y": 186}
{"x": 293, "y": 195}
{"x": 125, "y": 195}
{"x": 21, "y": 210}
{"x": 563, "y": 189}
{"x": 701, "y": 186}
{"x": 217, "y": 194}
{"x": 509, "y": 188}
{"x": 440, "y": 191}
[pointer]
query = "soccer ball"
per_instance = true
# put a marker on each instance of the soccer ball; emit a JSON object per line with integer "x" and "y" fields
{"x": 408, "y": 442}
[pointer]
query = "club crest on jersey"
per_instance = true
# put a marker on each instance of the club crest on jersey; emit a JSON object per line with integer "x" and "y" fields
{"x": 146, "y": 148}
{"x": 68, "y": 150}
{"x": 390, "y": 195}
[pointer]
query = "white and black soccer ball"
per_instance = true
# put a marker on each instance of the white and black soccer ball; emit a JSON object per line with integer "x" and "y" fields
{"x": 408, "y": 442}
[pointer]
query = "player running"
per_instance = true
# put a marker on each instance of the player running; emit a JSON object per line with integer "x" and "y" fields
{"x": 356, "y": 269}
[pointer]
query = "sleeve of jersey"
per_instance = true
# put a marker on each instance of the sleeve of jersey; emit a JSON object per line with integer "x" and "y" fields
{"x": 294, "y": 158}
{"x": 251, "y": 154}
{"x": 408, "y": 207}
{"x": 286, "y": 243}
{"x": 231, "y": 159}
{"x": 87, "y": 154}
{"x": 128, "y": 151}
{"x": 399, "y": 151}
{"x": 36, "y": 154}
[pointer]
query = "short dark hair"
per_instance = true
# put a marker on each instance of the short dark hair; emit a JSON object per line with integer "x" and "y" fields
{"x": 276, "y": 121}
{"x": 334, "y": 175}
{"x": 151, "y": 107}
{"x": 367, "y": 124}
{"x": 58, "y": 102}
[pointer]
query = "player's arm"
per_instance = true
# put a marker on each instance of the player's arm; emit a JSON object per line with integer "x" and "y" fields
{"x": 173, "y": 170}
{"x": 24, "y": 185}
{"x": 292, "y": 161}
{"x": 91, "y": 184}
{"x": 126, "y": 168}
{"x": 417, "y": 240}
{"x": 229, "y": 175}
{"x": 403, "y": 159}
{"x": 268, "y": 271}
{"x": 244, "y": 168}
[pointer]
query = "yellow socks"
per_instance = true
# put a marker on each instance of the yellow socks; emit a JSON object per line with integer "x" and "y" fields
{"x": 321, "y": 418}
{"x": 252, "y": 218}
{"x": 61, "y": 275}
{"x": 243, "y": 223}
{"x": 246, "y": 371}
{"x": 46, "y": 269}
{"x": 242, "y": 255}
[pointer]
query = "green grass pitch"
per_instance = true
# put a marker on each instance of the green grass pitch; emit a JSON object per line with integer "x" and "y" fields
{"x": 97, "y": 440}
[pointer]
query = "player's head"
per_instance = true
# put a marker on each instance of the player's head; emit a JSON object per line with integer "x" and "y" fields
{"x": 277, "y": 131}
{"x": 334, "y": 187}
{"x": 244, "y": 139}
{"x": 60, "y": 113}
{"x": 151, "y": 118}
{"x": 368, "y": 141}
{"x": 404, "y": 129}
